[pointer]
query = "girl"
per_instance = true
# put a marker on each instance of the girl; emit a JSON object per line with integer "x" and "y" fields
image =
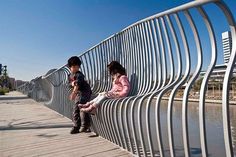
{"x": 120, "y": 88}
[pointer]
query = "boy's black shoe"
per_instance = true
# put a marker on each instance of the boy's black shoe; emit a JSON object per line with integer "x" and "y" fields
{"x": 74, "y": 130}
{"x": 85, "y": 129}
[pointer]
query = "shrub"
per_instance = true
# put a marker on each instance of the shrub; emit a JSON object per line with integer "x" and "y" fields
{"x": 3, "y": 91}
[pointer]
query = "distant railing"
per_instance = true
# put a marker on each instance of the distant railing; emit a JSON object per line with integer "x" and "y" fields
{"x": 163, "y": 54}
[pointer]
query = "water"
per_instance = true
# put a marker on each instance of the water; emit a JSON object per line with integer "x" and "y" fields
{"x": 214, "y": 128}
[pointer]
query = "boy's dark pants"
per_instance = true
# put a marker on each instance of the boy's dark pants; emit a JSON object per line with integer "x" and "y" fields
{"x": 81, "y": 119}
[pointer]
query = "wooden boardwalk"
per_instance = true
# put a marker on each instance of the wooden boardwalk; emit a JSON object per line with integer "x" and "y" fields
{"x": 28, "y": 128}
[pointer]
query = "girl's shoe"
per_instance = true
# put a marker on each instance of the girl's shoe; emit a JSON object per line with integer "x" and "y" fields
{"x": 84, "y": 105}
{"x": 93, "y": 112}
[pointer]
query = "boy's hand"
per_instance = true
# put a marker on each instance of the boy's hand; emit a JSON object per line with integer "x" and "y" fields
{"x": 73, "y": 83}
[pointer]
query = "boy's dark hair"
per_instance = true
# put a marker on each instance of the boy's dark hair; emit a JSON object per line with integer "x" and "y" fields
{"x": 74, "y": 60}
{"x": 115, "y": 67}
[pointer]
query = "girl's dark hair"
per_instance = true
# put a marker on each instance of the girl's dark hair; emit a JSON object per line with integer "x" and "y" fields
{"x": 74, "y": 60}
{"x": 115, "y": 67}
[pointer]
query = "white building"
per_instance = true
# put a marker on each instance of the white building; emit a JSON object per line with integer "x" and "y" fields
{"x": 227, "y": 45}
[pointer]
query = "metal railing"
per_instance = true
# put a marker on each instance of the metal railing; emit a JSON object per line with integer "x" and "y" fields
{"x": 163, "y": 54}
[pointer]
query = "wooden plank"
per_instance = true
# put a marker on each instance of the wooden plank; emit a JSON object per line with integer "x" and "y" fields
{"x": 28, "y": 128}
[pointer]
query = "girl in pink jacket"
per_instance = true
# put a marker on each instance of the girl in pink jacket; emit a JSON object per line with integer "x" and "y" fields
{"x": 120, "y": 88}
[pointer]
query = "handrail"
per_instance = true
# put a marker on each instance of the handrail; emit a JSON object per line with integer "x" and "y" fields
{"x": 164, "y": 55}
{"x": 170, "y": 11}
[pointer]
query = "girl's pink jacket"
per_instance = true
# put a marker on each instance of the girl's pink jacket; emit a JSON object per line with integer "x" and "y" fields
{"x": 120, "y": 87}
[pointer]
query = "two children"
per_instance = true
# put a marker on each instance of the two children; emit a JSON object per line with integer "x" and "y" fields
{"x": 81, "y": 92}
{"x": 120, "y": 88}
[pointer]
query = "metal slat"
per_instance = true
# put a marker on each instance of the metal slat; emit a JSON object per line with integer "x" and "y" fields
{"x": 151, "y": 53}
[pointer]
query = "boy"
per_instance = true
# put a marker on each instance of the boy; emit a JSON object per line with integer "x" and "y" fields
{"x": 81, "y": 94}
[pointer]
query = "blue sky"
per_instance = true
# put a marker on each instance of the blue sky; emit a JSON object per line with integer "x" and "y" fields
{"x": 38, "y": 35}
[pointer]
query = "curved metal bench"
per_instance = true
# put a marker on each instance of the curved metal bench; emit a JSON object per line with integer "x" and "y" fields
{"x": 163, "y": 54}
